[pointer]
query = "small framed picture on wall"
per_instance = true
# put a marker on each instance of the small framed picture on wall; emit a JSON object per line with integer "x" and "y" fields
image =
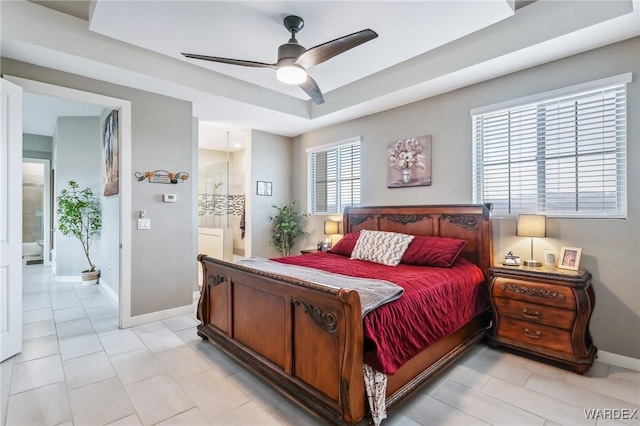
{"x": 263, "y": 188}
{"x": 569, "y": 258}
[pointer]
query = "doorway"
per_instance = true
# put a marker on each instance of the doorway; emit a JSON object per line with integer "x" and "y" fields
{"x": 124, "y": 209}
{"x": 36, "y": 211}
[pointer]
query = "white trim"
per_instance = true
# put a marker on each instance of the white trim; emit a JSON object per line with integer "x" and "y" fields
{"x": 196, "y": 295}
{"x": 109, "y": 291}
{"x": 126, "y": 173}
{"x": 603, "y": 83}
{"x": 160, "y": 315}
{"x": 125, "y": 177}
{"x": 619, "y": 360}
{"x": 333, "y": 144}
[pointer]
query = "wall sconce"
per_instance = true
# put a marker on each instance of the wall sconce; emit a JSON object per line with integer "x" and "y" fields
{"x": 162, "y": 176}
{"x": 533, "y": 226}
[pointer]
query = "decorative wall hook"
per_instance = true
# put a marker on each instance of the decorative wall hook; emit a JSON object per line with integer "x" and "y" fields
{"x": 162, "y": 176}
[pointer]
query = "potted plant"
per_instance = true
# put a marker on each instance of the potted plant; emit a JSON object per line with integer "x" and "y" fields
{"x": 79, "y": 216}
{"x": 288, "y": 225}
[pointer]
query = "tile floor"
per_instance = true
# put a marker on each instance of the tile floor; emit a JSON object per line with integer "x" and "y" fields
{"x": 78, "y": 368}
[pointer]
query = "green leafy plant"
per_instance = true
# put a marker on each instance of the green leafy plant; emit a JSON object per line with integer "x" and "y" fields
{"x": 79, "y": 216}
{"x": 288, "y": 225}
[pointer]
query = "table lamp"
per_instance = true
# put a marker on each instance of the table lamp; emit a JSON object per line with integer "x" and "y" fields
{"x": 531, "y": 225}
{"x": 331, "y": 228}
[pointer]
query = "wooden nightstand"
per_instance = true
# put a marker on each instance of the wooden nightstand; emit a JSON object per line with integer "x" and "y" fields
{"x": 306, "y": 251}
{"x": 543, "y": 311}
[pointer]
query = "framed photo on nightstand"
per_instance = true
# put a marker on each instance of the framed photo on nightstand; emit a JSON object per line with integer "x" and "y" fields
{"x": 569, "y": 258}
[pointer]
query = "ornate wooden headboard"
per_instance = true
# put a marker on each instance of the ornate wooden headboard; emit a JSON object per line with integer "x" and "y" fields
{"x": 471, "y": 222}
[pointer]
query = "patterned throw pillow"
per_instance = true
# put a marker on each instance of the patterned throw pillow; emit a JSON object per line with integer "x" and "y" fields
{"x": 382, "y": 247}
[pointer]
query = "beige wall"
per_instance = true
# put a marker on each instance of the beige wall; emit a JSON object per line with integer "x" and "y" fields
{"x": 163, "y": 257}
{"x": 610, "y": 247}
{"x": 270, "y": 161}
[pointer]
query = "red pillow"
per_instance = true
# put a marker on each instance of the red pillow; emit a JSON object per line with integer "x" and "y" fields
{"x": 433, "y": 251}
{"x": 345, "y": 246}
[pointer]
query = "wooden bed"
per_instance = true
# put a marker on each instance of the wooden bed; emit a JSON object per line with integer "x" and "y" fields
{"x": 307, "y": 340}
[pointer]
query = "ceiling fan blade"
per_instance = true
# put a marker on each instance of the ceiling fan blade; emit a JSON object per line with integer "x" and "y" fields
{"x": 311, "y": 88}
{"x": 230, "y": 61}
{"x": 318, "y": 54}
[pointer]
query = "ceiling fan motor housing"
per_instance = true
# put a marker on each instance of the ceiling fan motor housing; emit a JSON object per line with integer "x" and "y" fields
{"x": 291, "y": 50}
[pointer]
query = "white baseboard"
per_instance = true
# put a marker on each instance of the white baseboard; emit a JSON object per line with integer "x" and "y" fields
{"x": 68, "y": 278}
{"x": 107, "y": 289}
{"x": 619, "y": 360}
{"x": 160, "y": 315}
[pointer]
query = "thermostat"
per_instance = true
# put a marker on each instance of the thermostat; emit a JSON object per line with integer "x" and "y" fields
{"x": 170, "y": 198}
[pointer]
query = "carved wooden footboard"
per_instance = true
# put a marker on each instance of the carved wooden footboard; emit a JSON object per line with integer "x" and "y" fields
{"x": 307, "y": 340}
{"x": 304, "y": 338}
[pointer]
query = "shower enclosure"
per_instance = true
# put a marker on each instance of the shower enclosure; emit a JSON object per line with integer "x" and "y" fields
{"x": 215, "y": 238}
{"x": 213, "y": 196}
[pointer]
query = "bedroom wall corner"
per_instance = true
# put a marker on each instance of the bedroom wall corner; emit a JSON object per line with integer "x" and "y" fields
{"x": 610, "y": 246}
{"x": 271, "y": 161}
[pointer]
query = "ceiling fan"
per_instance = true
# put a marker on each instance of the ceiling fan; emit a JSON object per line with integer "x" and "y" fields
{"x": 294, "y": 59}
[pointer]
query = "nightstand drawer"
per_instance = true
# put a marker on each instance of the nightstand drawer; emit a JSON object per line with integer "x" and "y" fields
{"x": 535, "y": 334}
{"x": 539, "y": 314}
{"x": 527, "y": 291}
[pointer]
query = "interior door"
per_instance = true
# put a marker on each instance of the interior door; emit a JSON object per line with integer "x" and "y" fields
{"x": 10, "y": 220}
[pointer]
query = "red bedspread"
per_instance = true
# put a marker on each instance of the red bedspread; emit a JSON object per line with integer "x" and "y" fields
{"x": 436, "y": 302}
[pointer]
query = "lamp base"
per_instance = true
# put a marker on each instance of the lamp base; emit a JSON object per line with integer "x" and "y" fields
{"x": 533, "y": 263}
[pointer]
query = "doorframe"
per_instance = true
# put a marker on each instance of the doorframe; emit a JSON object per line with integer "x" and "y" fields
{"x": 124, "y": 108}
{"x": 46, "y": 210}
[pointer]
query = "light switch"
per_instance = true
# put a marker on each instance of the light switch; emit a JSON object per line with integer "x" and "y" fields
{"x": 144, "y": 223}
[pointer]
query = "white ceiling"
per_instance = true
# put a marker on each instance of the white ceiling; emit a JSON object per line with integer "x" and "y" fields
{"x": 424, "y": 48}
{"x": 254, "y": 30}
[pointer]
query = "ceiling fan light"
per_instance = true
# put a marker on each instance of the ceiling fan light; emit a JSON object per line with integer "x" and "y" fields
{"x": 291, "y": 74}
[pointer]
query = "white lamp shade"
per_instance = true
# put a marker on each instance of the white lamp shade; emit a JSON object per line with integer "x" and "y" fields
{"x": 531, "y": 225}
{"x": 291, "y": 74}
{"x": 330, "y": 227}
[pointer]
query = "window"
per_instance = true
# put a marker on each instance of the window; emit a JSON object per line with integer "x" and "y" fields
{"x": 334, "y": 177}
{"x": 561, "y": 153}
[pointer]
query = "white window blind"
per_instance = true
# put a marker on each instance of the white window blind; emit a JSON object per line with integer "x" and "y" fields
{"x": 563, "y": 157}
{"x": 334, "y": 178}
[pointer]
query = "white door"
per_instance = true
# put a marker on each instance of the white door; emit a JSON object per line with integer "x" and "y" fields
{"x": 10, "y": 220}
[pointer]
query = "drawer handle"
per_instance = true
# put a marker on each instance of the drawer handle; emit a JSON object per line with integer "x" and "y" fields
{"x": 532, "y": 336}
{"x": 534, "y": 315}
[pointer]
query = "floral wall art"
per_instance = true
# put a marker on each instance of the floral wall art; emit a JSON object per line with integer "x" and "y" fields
{"x": 409, "y": 162}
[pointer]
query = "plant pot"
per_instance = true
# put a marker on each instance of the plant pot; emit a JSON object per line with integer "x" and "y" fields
{"x": 90, "y": 277}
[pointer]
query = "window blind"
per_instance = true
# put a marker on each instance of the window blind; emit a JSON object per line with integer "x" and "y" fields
{"x": 563, "y": 157}
{"x": 334, "y": 178}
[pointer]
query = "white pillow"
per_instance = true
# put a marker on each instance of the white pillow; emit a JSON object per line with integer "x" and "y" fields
{"x": 382, "y": 247}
